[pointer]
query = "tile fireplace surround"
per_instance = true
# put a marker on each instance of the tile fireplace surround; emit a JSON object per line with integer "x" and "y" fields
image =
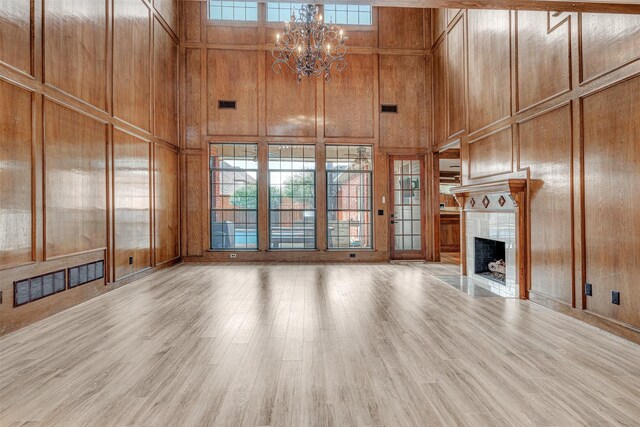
{"x": 500, "y": 226}
{"x": 496, "y": 211}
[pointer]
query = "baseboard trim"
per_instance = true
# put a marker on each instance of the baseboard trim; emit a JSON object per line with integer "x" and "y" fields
{"x": 624, "y": 331}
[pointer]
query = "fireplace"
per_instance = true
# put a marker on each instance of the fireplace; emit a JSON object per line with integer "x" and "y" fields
{"x": 493, "y": 234}
{"x": 489, "y": 259}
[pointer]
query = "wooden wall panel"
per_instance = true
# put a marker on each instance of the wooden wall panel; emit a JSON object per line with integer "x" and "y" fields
{"x": 451, "y": 14}
{"x": 190, "y": 11}
{"x": 232, "y": 75}
{"x": 608, "y": 42}
{"x": 438, "y": 23}
{"x": 165, "y": 92}
{"x": 15, "y": 34}
{"x": 168, "y": 11}
{"x": 455, "y": 80}
{"x": 404, "y": 85}
{"x": 359, "y": 37}
{"x": 193, "y": 98}
{"x": 166, "y": 205}
{"x": 544, "y": 64}
{"x": 291, "y": 107}
{"x": 63, "y": 201}
{"x": 75, "y": 185}
{"x": 401, "y": 28}
{"x": 349, "y": 100}
{"x": 16, "y": 193}
{"x": 75, "y": 51}
{"x": 491, "y": 155}
{"x": 490, "y": 67}
{"x": 530, "y": 74}
{"x": 440, "y": 111}
{"x": 131, "y": 204}
{"x": 611, "y": 188}
{"x": 132, "y": 63}
{"x": 194, "y": 171}
{"x": 545, "y": 148}
{"x": 233, "y": 35}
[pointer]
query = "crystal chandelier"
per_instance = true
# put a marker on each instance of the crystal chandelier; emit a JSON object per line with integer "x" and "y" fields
{"x": 308, "y": 47}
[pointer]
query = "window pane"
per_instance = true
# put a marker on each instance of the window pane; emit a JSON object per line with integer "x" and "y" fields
{"x": 234, "y": 196}
{"x": 292, "y": 196}
{"x": 349, "y": 207}
{"x": 348, "y": 14}
{"x": 281, "y": 11}
{"x": 233, "y": 10}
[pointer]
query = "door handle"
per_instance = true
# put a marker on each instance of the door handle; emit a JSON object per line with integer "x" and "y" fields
{"x": 392, "y": 222}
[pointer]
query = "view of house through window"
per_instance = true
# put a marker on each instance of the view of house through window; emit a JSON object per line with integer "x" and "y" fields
{"x": 349, "y": 188}
{"x": 292, "y": 197}
{"x": 234, "y": 196}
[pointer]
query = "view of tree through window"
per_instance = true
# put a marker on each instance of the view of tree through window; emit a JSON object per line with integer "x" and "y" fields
{"x": 349, "y": 187}
{"x": 234, "y": 196}
{"x": 292, "y": 197}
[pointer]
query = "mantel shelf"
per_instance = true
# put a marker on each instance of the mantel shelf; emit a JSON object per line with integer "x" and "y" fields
{"x": 511, "y": 186}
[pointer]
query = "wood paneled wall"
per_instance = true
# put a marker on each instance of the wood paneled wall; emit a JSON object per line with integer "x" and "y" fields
{"x": 553, "y": 97}
{"x": 388, "y": 63}
{"x": 88, "y": 144}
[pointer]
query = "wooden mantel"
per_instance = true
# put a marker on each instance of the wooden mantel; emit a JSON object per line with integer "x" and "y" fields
{"x": 508, "y": 195}
{"x": 511, "y": 186}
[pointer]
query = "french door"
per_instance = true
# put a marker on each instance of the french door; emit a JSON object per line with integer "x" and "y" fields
{"x": 407, "y": 198}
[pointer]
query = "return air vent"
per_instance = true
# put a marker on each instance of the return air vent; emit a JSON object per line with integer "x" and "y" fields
{"x": 389, "y": 109}
{"x": 86, "y": 273}
{"x": 226, "y": 105}
{"x": 35, "y": 288}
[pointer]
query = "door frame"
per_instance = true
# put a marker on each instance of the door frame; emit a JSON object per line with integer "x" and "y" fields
{"x": 407, "y": 255}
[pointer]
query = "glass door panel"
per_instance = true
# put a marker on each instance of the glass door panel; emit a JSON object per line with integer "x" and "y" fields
{"x": 407, "y": 211}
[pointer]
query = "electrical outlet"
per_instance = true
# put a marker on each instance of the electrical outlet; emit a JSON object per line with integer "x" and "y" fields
{"x": 130, "y": 260}
{"x": 232, "y": 255}
{"x": 352, "y": 255}
{"x": 380, "y": 212}
{"x": 615, "y": 297}
{"x": 588, "y": 289}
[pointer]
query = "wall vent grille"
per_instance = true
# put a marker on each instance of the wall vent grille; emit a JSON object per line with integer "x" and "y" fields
{"x": 85, "y": 273}
{"x": 226, "y": 105}
{"x": 35, "y": 288}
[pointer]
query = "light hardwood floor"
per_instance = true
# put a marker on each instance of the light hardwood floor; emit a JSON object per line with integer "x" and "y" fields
{"x": 361, "y": 344}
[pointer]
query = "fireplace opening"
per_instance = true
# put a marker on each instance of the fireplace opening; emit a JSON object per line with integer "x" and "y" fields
{"x": 489, "y": 259}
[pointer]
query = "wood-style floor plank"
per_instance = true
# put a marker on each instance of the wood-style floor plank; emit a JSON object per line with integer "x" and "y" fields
{"x": 317, "y": 345}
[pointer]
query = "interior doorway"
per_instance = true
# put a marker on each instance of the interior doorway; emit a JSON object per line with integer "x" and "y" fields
{"x": 448, "y": 175}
